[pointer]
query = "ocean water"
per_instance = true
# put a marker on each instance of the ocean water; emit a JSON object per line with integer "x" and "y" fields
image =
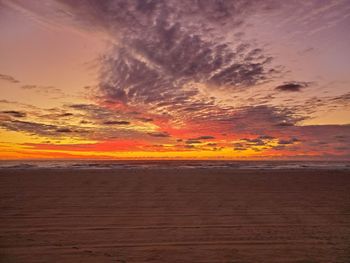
{"x": 166, "y": 164}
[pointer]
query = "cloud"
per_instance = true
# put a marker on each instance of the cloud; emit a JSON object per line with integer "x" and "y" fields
{"x": 116, "y": 122}
{"x": 54, "y": 114}
{"x": 262, "y": 119}
{"x": 286, "y": 142}
{"x": 189, "y": 146}
{"x": 191, "y": 141}
{"x": 43, "y": 129}
{"x": 105, "y": 116}
{"x": 97, "y": 113}
{"x": 292, "y": 86}
{"x": 237, "y": 148}
{"x": 255, "y": 142}
{"x": 266, "y": 137}
{"x": 168, "y": 78}
{"x": 8, "y": 78}
{"x": 64, "y": 130}
{"x": 159, "y": 134}
{"x": 17, "y": 114}
{"x": 343, "y": 99}
{"x": 29, "y": 127}
{"x": 66, "y": 114}
{"x": 204, "y": 137}
{"x": 164, "y": 50}
{"x": 285, "y": 123}
{"x": 145, "y": 119}
{"x": 44, "y": 90}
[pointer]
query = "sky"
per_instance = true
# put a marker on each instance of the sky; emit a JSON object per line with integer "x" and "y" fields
{"x": 175, "y": 79}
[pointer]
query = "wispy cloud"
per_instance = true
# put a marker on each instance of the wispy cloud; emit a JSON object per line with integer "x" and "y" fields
{"x": 14, "y": 113}
{"x": 8, "y": 78}
{"x": 44, "y": 90}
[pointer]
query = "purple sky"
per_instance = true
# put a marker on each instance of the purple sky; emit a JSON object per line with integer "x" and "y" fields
{"x": 174, "y": 79}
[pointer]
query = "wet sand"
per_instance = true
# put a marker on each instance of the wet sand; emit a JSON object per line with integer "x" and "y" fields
{"x": 177, "y": 215}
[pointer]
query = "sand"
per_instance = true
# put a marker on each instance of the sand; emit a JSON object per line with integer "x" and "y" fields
{"x": 177, "y": 215}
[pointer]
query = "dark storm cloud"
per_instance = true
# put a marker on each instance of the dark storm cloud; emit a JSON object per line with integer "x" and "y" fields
{"x": 8, "y": 78}
{"x": 292, "y": 86}
{"x": 17, "y": 114}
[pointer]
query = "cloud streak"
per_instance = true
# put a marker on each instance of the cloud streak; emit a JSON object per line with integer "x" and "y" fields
{"x": 9, "y": 79}
{"x": 292, "y": 86}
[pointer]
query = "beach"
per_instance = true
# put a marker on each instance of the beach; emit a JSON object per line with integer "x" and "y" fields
{"x": 175, "y": 215}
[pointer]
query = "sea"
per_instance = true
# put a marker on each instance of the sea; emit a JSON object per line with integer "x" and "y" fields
{"x": 171, "y": 164}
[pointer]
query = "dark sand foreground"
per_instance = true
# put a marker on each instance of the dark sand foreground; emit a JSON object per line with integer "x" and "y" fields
{"x": 188, "y": 215}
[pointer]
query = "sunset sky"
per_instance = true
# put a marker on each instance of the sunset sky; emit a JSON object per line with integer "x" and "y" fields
{"x": 178, "y": 79}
